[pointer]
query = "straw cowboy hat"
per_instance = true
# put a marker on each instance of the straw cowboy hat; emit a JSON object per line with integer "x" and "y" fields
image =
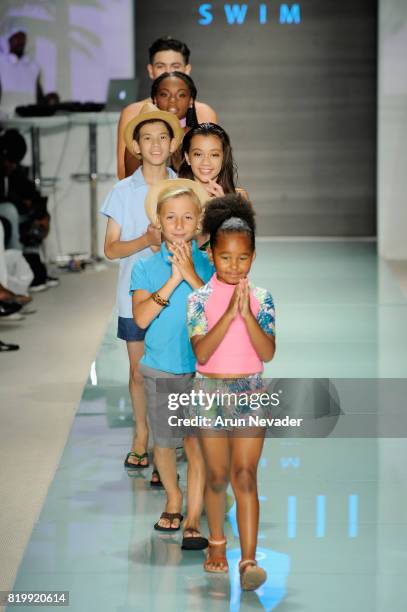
{"x": 150, "y": 111}
{"x": 150, "y": 203}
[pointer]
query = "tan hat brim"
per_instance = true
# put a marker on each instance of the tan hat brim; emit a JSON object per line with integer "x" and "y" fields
{"x": 168, "y": 118}
{"x": 150, "y": 203}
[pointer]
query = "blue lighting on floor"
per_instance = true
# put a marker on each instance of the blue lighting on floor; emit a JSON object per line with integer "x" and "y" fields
{"x": 292, "y": 516}
{"x": 353, "y": 509}
{"x": 321, "y": 516}
{"x": 287, "y": 462}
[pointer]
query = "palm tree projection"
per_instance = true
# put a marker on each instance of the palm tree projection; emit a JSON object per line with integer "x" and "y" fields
{"x": 51, "y": 20}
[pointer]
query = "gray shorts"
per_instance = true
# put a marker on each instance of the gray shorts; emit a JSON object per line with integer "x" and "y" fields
{"x": 157, "y": 386}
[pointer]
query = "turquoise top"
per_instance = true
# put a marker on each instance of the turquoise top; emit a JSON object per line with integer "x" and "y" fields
{"x": 167, "y": 346}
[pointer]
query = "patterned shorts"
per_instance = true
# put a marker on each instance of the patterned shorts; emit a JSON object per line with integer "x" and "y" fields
{"x": 225, "y": 400}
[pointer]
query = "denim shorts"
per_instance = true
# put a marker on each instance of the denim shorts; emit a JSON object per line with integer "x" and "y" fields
{"x": 128, "y": 330}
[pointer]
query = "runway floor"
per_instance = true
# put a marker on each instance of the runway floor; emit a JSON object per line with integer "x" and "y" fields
{"x": 333, "y": 532}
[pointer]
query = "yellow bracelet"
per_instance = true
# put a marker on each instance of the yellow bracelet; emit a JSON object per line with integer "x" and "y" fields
{"x": 159, "y": 300}
{"x": 163, "y": 300}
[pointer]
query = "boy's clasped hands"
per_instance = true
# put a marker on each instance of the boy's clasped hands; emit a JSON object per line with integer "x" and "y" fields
{"x": 181, "y": 259}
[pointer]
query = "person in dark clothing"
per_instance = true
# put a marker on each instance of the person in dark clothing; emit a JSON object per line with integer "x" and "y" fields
{"x": 23, "y": 207}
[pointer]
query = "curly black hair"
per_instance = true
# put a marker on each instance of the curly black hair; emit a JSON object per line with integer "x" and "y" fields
{"x": 219, "y": 210}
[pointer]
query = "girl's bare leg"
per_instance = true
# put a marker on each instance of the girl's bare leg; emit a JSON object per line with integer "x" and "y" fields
{"x": 245, "y": 456}
{"x": 216, "y": 456}
{"x": 136, "y": 387}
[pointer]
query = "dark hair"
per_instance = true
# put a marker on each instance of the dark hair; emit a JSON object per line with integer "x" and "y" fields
{"x": 192, "y": 119}
{"x": 228, "y": 173}
{"x": 167, "y": 43}
{"x": 136, "y": 132}
{"x": 12, "y": 146}
{"x": 219, "y": 210}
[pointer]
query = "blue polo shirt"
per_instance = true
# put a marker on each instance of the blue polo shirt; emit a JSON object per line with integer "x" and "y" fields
{"x": 166, "y": 344}
{"x": 125, "y": 205}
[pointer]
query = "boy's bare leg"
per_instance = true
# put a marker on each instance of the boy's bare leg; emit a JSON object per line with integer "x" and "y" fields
{"x": 196, "y": 476}
{"x": 166, "y": 462}
{"x": 135, "y": 351}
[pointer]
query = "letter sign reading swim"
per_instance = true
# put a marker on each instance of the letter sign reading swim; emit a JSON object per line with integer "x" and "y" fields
{"x": 236, "y": 14}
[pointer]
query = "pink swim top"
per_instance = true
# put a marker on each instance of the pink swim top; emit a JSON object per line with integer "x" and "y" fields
{"x": 235, "y": 354}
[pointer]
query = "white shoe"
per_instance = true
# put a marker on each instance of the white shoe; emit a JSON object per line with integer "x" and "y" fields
{"x": 52, "y": 281}
{"x": 16, "y": 316}
{"x": 38, "y": 288}
{"x": 28, "y": 309}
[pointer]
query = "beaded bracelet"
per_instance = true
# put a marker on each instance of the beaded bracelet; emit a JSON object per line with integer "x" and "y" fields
{"x": 159, "y": 300}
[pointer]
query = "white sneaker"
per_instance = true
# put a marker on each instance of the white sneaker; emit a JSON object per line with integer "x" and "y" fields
{"x": 28, "y": 309}
{"x": 37, "y": 288}
{"x": 16, "y": 316}
{"x": 52, "y": 281}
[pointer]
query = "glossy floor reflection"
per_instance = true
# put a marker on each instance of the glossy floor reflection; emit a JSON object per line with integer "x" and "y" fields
{"x": 333, "y": 527}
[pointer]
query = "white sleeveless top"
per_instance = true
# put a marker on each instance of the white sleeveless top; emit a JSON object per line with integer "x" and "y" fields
{"x": 18, "y": 79}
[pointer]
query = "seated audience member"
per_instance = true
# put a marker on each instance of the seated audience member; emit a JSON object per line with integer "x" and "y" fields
{"x": 15, "y": 276}
{"x": 3, "y": 263}
{"x": 10, "y": 303}
{"x": 22, "y": 208}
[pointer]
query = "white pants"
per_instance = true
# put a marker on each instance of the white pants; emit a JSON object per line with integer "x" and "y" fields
{"x": 15, "y": 273}
{"x": 10, "y": 212}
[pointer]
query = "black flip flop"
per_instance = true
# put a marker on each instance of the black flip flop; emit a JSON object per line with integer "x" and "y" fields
{"x": 194, "y": 543}
{"x": 171, "y": 516}
{"x": 134, "y": 466}
{"x": 4, "y": 348}
{"x": 158, "y": 483}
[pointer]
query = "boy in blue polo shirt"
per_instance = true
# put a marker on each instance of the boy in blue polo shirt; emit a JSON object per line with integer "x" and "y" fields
{"x": 152, "y": 136}
{"x": 161, "y": 285}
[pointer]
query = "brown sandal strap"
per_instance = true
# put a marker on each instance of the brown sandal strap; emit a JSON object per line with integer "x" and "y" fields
{"x": 217, "y": 542}
{"x": 171, "y": 516}
{"x": 191, "y": 530}
{"x": 245, "y": 563}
